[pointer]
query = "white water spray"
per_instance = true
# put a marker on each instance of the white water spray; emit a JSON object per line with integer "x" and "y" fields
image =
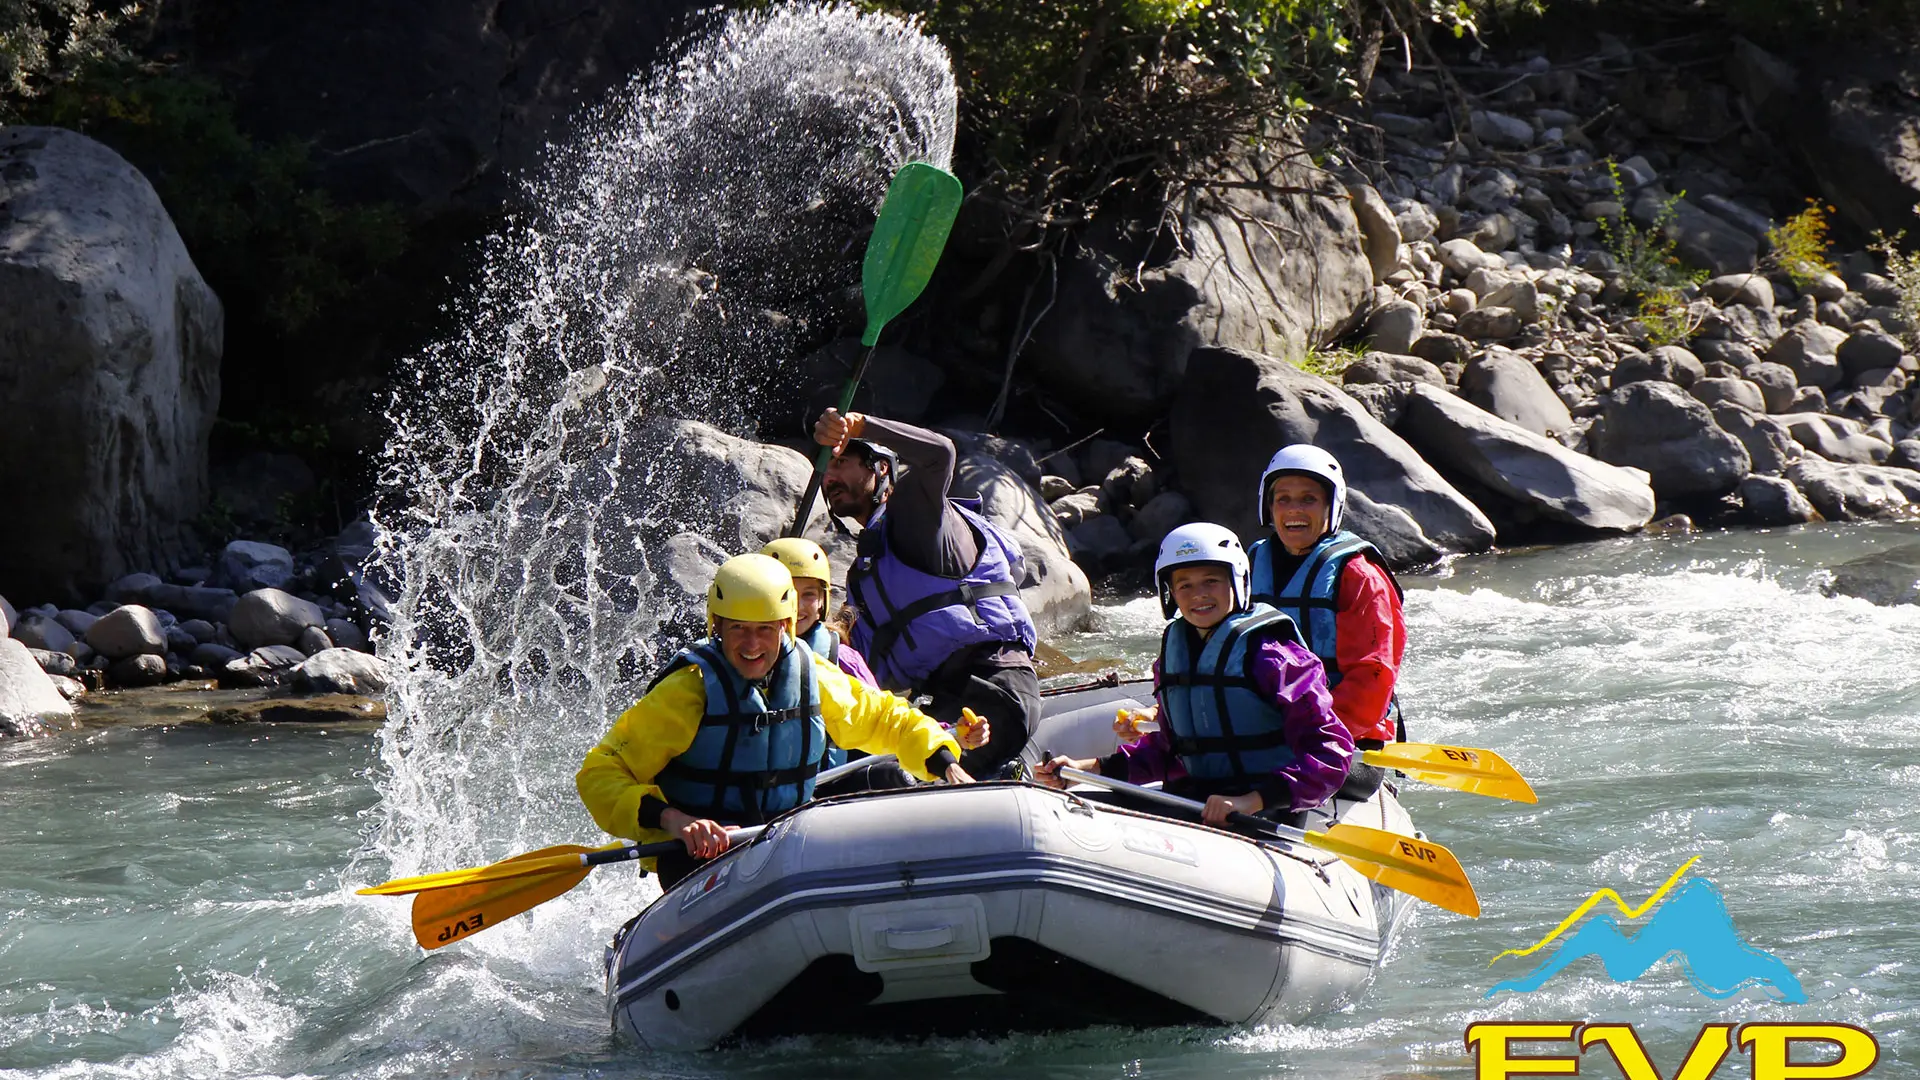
{"x": 677, "y": 246}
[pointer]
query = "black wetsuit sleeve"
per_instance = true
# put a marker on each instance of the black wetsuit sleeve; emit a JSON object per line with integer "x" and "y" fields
{"x": 1115, "y": 765}
{"x": 650, "y": 811}
{"x": 940, "y": 761}
{"x": 923, "y": 529}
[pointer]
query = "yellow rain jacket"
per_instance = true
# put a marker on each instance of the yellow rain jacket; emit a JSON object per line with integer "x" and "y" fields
{"x": 619, "y": 772}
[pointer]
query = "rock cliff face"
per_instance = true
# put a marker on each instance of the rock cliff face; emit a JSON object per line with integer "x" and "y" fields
{"x": 433, "y": 103}
{"x": 109, "y": 368}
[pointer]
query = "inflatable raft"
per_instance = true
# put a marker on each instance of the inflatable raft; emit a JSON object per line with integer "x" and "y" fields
{"x": 1000, "y": 907}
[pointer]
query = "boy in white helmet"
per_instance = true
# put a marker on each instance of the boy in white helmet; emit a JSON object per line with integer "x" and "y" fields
{"x": 1245, "y": 721}
{"x": 1336, "y": 587}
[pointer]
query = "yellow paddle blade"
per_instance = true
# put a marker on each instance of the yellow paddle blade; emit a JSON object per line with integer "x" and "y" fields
{"x": 444, "y": 916}
{"x": 1419, "y": 868}
{"x": 1462, "y": 768}
{"x": 558, "y": 857}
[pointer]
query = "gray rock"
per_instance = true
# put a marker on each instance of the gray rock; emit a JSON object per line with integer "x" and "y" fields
{"x": 1496, "y": 323}
{"x": 1440, "y": 348}
{"x": 1659, "y": 428}
{"x": 245, "y": 566}
{"x": 1392, "y": 530}
{"x": 29, "y": 701}
{"x": 1886, "y": 578}
{"x": 1770, "y": 446}
{"x": 1700, "y": 238}
{"x": 55, "y": 663}
{"x": 1754, "y": 224}
{"x": 1395, "y": 326}
{"x": 1414, "y": 219}
{"x": 1826, "y": 288}
{"x": 1749, "y": 289}
{"x": 193, "y": 601}
{"x": 346, "y": 635}
{"x": 1665, "y": 364}
{"x": 113, "y": 344}
{"x": 1756, "y": 328}
{"x": 1773, "y": 500}
{"x": 1809, "y": 349}
{"x": 1526, "y": 468}
{"x": 312, "y": 641}
{"x": 70, "y": 688}
{"x": 1099, "y": 544}
{"x": 1381, "y": 367}
{"x": 272, "y": 617}
{"x": 1055, "y": 591}
{"x": 1777, "y": 384}
{"x": 1855, "y": 492}
{"x": 1735, "y": 391}
{"x": 201, "y": 629}
{"x": 1056, "y": 487}
{"x": 1867, "y": 350}
{"x": 1463, "y": 257}
{"x": 179, "y": 642}
{"x": 1807, "y": 399}
{"x": 1836, "y": 438}
{"x": 81, "y": 652}
{"x": 1492, "y": 232}
{"x": 37, "y": 631}
{"x": 1077, "y": 508}
{"x": 1383, "y": 400}
{"x": 8, "y": 616}
{"x": 144, "y": 669}
{"x": 127, "y": 631}
{"x": 1129, "y": 484}
{"x": 1161, "y": 515}
{"x": 1238, "y": 408}
{"x": 213, "y": 657}
{"x": 1507, "y": 385}
{"x": 1499, "y": 129}
{"x": 1380, "y": 231}
{"x": 1301, "y": 278}
{"x": 131, "y": 588}
{"x": 342, "y": 671}
{"x": 1731, "y": 353}
{"x": 269, "y": 665}
{"x": 1685, "y": 366}
{"x": 76, "y": 622}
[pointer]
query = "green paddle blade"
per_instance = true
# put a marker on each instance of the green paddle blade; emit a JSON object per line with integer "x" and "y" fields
{"x": 914, "y": 221}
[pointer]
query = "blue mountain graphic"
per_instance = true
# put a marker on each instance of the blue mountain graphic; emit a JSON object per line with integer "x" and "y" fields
{"x": 1692, "y": 924}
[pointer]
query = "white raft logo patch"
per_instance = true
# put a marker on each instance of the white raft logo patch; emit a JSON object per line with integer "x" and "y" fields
{"x": 1160, "y": 845}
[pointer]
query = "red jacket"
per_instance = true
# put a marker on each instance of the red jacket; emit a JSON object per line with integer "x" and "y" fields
{"x": 1372, "y": 640}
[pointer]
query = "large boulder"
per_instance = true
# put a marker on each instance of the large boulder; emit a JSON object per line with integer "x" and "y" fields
{"x": 1261, "y": 270}
{"x": 130, "y": 630}
{"x": 112, "y": 355}
{"x": 29, "y": 701}
{"x": 341, "y": 671}
{"x": 1810, "y": 350}
{"x": 1056, "y": 590}
{"x": 1855, "y": 492}
{"x": 1836, "y": 438}
{"x": 267, "y": 617}
{"x": 1882, "y": 577}
{"x": 1773, "y": 500}
{"x": 1770, "y": 446}
{"x": 246, "y": 565}
{"x": 1237, "y": 408}
{"x": 1664, "y": 431}
{"x": 1699, "y": 237}
{"x": 1537, "y": 474}
{"x": 1508, "y": 386}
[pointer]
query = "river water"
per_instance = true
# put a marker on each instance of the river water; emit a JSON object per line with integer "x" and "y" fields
{"x": 177, "y": 899}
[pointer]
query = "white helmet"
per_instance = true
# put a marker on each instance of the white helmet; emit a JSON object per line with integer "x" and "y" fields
{"x": 1202, "y": 542}
{"x": 1307, "y": 460}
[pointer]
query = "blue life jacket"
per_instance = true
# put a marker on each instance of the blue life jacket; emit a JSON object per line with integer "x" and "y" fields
{"x": 824, "y": 642}
{"x": 1219, "y": 725}
{"x": 759, "y": 745}
{"x": 1308, "y": 598}
{"x": 912, "y": 621}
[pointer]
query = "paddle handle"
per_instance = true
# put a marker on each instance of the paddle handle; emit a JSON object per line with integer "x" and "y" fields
{"x": 630, "y": 852}
{"x": 824, "y": 456}
{"x": 1245, "y": 821}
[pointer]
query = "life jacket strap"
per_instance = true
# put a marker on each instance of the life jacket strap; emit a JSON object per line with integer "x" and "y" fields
{"x": 896, "y": 621}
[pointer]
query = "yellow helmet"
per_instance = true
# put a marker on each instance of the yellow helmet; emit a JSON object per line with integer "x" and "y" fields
{"x": 752, "y": 588}
{"x": 803, "y": 558}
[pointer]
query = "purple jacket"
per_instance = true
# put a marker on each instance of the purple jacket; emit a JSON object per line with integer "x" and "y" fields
{"x": 1292, "y": 677}
{"x": 855, "y": 665}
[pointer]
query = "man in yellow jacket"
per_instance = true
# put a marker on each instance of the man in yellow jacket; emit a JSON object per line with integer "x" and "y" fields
{"x": 736, "y": 728}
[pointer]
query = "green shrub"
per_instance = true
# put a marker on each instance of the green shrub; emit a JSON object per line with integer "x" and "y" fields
{"x": 1329, "y": 363}
{"x": 1799, "y": 245}
{"x": 1650, "y": 268}
{"x": 1903, "y": 269}
{"x": 45, "y": 43}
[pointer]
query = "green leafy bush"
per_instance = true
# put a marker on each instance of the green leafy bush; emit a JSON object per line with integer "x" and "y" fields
{"x": 1903, "y": 269}
{"x": 1799, "y": 245}
{"x": 44, "y": 43}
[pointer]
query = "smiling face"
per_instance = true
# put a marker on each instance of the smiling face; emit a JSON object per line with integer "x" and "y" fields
{"x": 751, "y": 647}
{"x": 1203, "y": 593}
{"x": 1299, "y": 507}
{"x": 811, "y": 596}
{"x": 850, "y": 485}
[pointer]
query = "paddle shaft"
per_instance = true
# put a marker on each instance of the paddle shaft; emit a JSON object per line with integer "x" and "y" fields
{"x": 1246, "y": 821}
{"x": 824, "y": 457}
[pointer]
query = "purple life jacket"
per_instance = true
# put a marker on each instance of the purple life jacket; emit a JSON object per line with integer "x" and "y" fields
{"x": 910, "y": 621}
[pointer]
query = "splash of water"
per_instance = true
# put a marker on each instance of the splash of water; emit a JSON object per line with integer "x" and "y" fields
{"x": 681, "y": 241}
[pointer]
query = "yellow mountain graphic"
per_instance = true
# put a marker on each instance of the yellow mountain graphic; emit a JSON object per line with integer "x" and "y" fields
{"x": 1599, "y": 895}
